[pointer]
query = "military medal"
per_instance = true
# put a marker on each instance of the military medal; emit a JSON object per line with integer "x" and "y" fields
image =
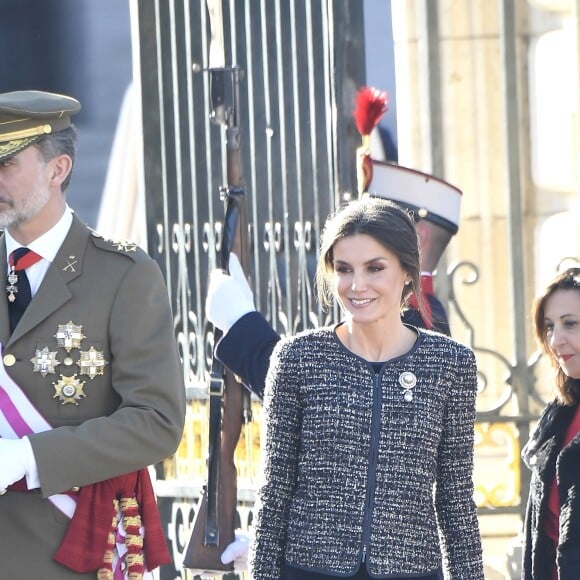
{"x": 407, "y": 380}
{"x": 69, "y": 390}
{"x": 92, "y": 362}
{"x": 44, "y": 361}
{"x": 69, "y": 335}
{"x": 11, "y": 288}
{"x": 19, "y": 260}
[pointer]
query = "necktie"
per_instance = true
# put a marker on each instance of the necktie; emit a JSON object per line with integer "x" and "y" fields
{"x": 18, "y": 288}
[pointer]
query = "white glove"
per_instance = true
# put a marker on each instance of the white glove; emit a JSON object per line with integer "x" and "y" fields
{"x": 237, "y": 551}
{"x": 16, "y": 461}
{"x": 205, "y": 575}
{"x": 229, "y": 296}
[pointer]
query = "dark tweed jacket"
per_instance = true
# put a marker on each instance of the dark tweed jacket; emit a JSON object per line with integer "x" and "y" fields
{"x": 545, "y": 457}
{"x": 350, "y": 465}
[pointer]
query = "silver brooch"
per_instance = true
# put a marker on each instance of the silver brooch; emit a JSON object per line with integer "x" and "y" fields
{"x": 407, "y": 380}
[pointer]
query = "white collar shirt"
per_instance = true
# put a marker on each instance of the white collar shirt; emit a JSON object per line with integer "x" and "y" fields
{"x": 47, "y": 246}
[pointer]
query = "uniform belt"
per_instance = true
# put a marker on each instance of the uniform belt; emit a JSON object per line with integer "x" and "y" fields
{"x": 20, "y": 485}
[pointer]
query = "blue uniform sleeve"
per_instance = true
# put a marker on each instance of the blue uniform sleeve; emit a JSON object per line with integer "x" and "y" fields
{"x": 246, "y": 350}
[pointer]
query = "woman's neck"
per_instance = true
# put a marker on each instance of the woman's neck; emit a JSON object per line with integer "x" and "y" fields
{"x": 376, "y": 343}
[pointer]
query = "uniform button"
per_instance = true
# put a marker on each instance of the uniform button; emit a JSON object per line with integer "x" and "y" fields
{"x": 75, "y": 488}
{"x": 9, "y": 360}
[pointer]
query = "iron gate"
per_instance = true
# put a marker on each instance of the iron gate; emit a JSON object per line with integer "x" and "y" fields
{"x": 302, "y": 63}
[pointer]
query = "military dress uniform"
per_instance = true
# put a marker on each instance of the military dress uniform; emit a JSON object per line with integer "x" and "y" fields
{"x": 95, "y": 353}
{"x": 106, "y": 297}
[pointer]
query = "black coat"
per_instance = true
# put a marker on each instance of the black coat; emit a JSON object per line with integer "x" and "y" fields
{"x": 545, "y": 457}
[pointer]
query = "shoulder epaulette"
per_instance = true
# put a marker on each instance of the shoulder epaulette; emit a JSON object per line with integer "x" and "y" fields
{"x": 120, "y": 246}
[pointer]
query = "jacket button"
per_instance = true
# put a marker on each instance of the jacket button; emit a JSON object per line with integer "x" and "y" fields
{"x": 9, "y": 360}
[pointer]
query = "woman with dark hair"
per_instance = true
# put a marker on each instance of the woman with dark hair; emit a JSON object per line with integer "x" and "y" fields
{"x": 552, "y": 526}
{"x": 368, "y": 452}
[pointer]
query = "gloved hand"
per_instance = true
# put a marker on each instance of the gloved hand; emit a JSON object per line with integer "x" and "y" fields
{"x": 16, "y": 460}
{"x": 229, "y": 296}
{"x": 237, "y": 551}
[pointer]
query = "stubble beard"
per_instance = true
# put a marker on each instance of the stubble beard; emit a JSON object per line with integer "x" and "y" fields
{"x": 21, "y": 211}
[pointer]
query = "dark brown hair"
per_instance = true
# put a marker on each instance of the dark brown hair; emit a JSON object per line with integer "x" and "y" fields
{"x": 567, "y": 388}
{"x": 385, "y": 222}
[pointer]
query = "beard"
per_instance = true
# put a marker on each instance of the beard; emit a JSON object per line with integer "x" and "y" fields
{"x": 20, "y": 211}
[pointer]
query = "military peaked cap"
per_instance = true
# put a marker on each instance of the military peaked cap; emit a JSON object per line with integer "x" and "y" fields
{"x": 427, "y": 196}
{"x": 25, "y": 116}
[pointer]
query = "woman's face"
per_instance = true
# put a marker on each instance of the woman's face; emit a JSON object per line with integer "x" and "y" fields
{"x": 562, "y": 328}
{"x": 368, "y": 279}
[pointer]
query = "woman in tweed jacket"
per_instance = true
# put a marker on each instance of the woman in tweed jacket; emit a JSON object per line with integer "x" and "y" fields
{"x": 552, "y": 526}
{"x": 368, "y": 452}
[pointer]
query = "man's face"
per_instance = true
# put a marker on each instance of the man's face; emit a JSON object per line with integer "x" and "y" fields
{"x": 24, "y": 187}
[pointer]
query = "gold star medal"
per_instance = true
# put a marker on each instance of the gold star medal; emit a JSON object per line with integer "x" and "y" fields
{"x": 69, "y": 390}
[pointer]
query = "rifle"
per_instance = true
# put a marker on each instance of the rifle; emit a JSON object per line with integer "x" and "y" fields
{"x": 215, "y": 520}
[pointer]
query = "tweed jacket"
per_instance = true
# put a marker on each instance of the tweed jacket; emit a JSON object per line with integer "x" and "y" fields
{"x": 128, "y": 417}
{"x": 354, "y": 470}
{"x": 545, "y": 457}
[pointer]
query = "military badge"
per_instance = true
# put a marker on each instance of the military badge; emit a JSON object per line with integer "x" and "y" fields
{"x": 12, "y": 288}
{"x": 69, "y": 336}
{"x": 44, "y": 361}
{"x": 69, "y": 390}
{"x": 92, "y": 362}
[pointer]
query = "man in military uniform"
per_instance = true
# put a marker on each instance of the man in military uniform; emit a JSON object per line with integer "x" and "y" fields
{"x": 91, "y": 388}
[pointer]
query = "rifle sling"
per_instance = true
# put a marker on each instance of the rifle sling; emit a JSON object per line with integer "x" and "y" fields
{"x": 216, "y": 392}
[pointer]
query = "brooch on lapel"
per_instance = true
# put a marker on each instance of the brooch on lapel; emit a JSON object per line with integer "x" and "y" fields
{"x": 407, "y": 380}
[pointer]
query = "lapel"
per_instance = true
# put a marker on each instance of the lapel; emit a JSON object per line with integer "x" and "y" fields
{"x": 54, "y": 290}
